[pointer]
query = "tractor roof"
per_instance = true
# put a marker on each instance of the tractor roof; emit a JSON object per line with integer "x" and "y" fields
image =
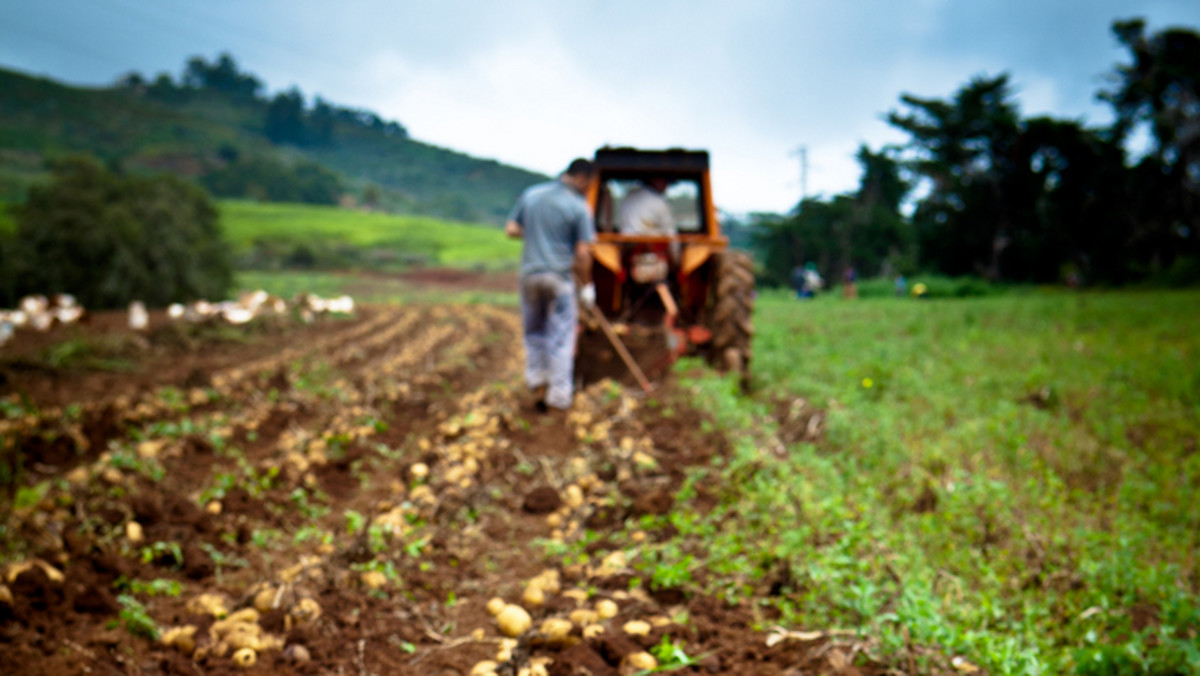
{"x": 670, "y": 160}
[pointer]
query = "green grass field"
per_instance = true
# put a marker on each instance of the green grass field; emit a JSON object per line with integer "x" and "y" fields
{"x": 406, "y": 239}
{"x": 1013, "y": 479}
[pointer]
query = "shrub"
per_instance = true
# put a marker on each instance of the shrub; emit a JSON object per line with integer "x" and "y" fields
{"x": 109, "y": 239}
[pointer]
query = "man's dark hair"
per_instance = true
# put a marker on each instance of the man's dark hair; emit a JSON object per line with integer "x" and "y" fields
{"x": 581, "y": 167}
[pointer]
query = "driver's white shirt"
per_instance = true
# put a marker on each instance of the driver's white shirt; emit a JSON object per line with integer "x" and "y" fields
{"x": 645, "y": 212}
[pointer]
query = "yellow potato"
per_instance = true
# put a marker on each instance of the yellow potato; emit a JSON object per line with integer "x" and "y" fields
{"x": 576, "y": 595}
{"x": 183, "y": 638}
{"x": 556, "y": 630}
{"x": 534, "y": 597}
{"x": 606, "y": 609}
{"x": 507, "y": 646}
{"x": 495, "y": 605}
{"x": 208, "y": 604}
{"x": 134, "y": 532}
{"x": 637, "y": 628}
{"x": 247, "y": 615}
{"x": 245, "y": 658}
{"x": 583, "y": 616}
{"x": 373, "y": 579}
{"x": 574, "y": 497}
{"x": 641, "y": 660}
{"x": 513, "y": 621}
{"x": 484, "y": 668}
{"x": 264, "y": 600}
{"x": 306, "y": 610}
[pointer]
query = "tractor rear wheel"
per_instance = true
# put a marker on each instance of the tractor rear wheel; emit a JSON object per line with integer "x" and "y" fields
{"x": 732, "y": 310}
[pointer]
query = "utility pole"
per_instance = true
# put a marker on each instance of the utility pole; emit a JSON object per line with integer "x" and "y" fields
{"x": 802, "y": 153}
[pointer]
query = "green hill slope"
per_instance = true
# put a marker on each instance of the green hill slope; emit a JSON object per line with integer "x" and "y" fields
{"x": 194, "y": 132}
{"x": 269, "y": 236}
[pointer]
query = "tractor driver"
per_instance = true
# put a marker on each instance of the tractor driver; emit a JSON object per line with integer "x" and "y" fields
{"x": 645, "y": 211}
{"x": 556, "y": 226}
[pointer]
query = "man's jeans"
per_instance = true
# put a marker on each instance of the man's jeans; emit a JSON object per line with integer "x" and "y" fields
{"x": 549, "y": 312}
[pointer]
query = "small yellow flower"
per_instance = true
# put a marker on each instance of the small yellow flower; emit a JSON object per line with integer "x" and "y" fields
{"x": 867, "y": 383}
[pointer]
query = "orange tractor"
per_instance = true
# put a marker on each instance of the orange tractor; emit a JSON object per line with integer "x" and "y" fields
{"x": 665, "y": 295}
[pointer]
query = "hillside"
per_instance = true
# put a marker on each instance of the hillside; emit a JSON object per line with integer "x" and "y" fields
{"x": 271, "y": 236}
{"x": 198, "y": 131}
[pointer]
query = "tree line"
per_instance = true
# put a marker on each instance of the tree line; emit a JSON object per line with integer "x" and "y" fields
{"x": 284, "y": 119}
{"x": 1015, "y": 199}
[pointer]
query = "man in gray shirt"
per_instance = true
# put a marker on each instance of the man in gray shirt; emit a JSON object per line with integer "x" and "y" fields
{"x": 557, "y": 227}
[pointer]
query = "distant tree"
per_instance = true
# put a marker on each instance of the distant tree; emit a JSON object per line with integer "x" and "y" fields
{"x": 222, "y": 76}
{"x": 110, "y": 239}
{"x": 1160, "y": 88}
{"x": 864, "y": 229}
{"x": 270, "y": 180}
{"x": 319, "y": 131}
{"x": 132, "y": 80}
{"x": 164, "y": 89}
{"x": 372, "y": 195}
{"x": 285, "y": 118}
{"x": 964, "y": 148}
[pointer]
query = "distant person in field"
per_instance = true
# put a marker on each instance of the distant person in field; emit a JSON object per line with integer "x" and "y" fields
{"x": 806, "y": 280}
{"x": 556, "y": 226}
{"x": 850, "y": 282}
{"x": 645, "y": 211}
{"x": 901, "y": 285}
{"x": 797, "y": 279}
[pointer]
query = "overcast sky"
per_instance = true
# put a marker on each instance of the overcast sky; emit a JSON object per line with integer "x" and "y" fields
{"x": 536, "y": 83}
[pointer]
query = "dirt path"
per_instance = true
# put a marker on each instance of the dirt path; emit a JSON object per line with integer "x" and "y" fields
{"x": 346, "y": 499}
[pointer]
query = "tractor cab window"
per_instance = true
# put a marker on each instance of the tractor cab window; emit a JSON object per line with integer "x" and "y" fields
{"x": 682, "y": 197}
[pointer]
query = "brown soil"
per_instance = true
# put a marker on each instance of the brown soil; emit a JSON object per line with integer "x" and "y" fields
{"x": 388, "y": 471}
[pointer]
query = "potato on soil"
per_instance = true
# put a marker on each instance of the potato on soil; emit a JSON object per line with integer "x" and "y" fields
{"x": 264, "y": 599}
{"x": 208, "y": 604}
{"x": 513, "y": 621}
{"x": 637, "y": 628}
{"x": 306, "y": 610}
{"x": 582, "y": 616}
{"x": 576, "y": 595}
{"x": 495, "y": 605}
{"x": 183, "y": 638}
{"x": 534, "y": 597}
{"x": 297, "y": 654}
{"x": 484, "y": 668}
{"x": 556, "y": 630}
{"x": 6, "y": 596}
{"x": 373, "y": 579}
{"x": 134, "y": 532}
{"x": 14, "y": 571}
{"x": 592, "y": 631}
{"x": 549, "y": 581}
{"x": 606, "y": 609}
{"x": 641, "y": 661}
{"x": 245, "y": 615}
{"x": 507, "y": 646}
{"x": 245, "y": 658}
{"x": 574, "y": 497}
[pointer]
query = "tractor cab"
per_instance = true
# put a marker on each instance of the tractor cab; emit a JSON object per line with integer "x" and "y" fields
{"x": 656, "y": 277}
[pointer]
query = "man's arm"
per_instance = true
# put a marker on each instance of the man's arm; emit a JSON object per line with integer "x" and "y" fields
{"x": 583, "y": 263}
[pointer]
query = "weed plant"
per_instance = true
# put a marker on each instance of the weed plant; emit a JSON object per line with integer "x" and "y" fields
{"x": 1008, "y": 479}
